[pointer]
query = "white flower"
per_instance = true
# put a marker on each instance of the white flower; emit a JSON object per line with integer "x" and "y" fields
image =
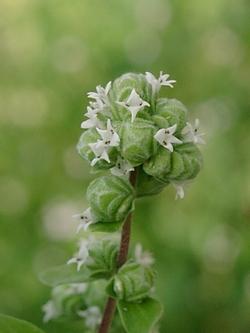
{"x": 100, "y": 149}
{"x": 134, "y": 104}
{"x": 109, "y": 136}
{"x": 190, "y": 133}
{"x": 161, "y": 81}
{"x": 92, "y": 317}
{"x": 101, "y": 95}
{"x": 93, "y": 120}
{"x": 166, "y": 138}
{"x": 81, "y": 256}
{"x": 122, "y": 167}
{"x": 85, "y": 218}
{"x": 179, "y": 190}
{"x": 77, "y": 288}
{"x": 50, "y": 311}
{"x": 143, "y": 258}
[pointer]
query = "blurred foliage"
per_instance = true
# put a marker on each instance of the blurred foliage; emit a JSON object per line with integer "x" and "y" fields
{"x": 51, "y": 54}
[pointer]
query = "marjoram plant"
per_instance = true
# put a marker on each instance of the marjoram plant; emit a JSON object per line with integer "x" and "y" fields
{"x": 145, "y": 143}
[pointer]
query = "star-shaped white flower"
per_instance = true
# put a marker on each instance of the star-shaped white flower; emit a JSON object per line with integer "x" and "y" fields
{"x": 101, "y": 95}
{"x": 143, "y": 258}
{"x": 92, "y": 316}
{"x": 166, "y": 138}
{"x": 100, "y": 149}
{"x": 86, "y": 219}
{"x": 163, "y": 80}
{"x": 81, "y": 256}
{"x": 109, "y": 136}
{"x": 93, "y": 120}
{"x": 191, "y": 133}
{"x": 122, "y": 167}
{"x": 50, "y": 311}
{"x": 179, "y": 187}
{"x": 134, "y": 104}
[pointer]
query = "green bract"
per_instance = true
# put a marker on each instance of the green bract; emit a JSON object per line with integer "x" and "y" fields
{"x": 110, "y": 198}
{"x": 137, "y": 141}
{"x": 183, "y": 164}
{"x": 132, "y": 283}
{"x": 170, "y": 112}
{"x": 102, "y": 258}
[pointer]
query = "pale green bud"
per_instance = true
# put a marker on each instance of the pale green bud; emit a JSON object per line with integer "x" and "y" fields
{"x": 110, "y": 198}
{"x": 170, "y": 112}
{"x": 183, "y": 164}
{"x": 137, "y": 141}
{"x": 132, "y": 283}
{"x": 102, "y": 257}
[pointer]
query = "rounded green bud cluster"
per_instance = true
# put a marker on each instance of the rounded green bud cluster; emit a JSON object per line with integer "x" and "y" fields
{"x": 102, "y": 257}
{"x": 110, "y": 198}
{"x": 128, "y": 121}
{"x": 133, "y": 282}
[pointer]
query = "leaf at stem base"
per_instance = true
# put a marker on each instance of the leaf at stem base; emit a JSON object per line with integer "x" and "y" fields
{"x": 140, "y": 317}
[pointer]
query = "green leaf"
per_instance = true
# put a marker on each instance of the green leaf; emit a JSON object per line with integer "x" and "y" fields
{"x": 13, "y": 325}
{"x": 105, "y": 227}
{"x": 64, "y": 274}
{"x": 140, "y": 317}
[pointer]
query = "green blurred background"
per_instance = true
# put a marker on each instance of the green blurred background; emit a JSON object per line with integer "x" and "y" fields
{"x": 52, "y": 53}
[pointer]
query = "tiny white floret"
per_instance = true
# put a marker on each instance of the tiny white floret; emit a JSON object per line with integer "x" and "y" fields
{"x": 143, "y": 258}
{"x": 109, "y": 136}
{"x": 180, "y": 193}
{"x": 81, "y": 256}
{"x": 86, "y": 219}
{"x": 92, "y": 121}
{"x": 101, "y": 95}
{"x": 191, "y": 133}
{"x": 122, "y": 167}
{"x": 50, "y": 311}
{"x": 92, "y": 316}
{"x": 134, "y": 104}
{"x": 100, "y": 149}
{"x": 166, "y": 138}
{"x": 163, "y": 80}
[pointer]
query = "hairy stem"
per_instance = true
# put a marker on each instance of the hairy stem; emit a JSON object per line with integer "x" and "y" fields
{"x": 121, "y": 259}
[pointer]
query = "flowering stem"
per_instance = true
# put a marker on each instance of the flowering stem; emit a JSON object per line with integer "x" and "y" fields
{"x": 121, "y": 259}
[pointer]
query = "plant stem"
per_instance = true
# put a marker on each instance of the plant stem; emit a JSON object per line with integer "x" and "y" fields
{"x": 121, "y": 259}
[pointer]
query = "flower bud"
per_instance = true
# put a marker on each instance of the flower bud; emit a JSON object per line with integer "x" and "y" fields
{"x": 110, "y": 198}
{"x": 170, "y": 112}
{"x": 102, "y": 257}
{"x": 183, "y": 164}
{"x": 90, "y": 136}
{"x": 132, "y": 283}
{"x": 137, "y": 141}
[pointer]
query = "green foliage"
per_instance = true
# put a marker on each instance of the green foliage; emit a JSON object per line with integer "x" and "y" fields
{"x": 12, "y": 325}
{"x": 140, "y": 317}
{"x": 63, "y": 274}
{"x": 110, "y": 198}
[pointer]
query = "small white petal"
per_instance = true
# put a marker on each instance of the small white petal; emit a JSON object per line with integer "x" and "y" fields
{"x": 166, "y": 138}
{"x": 134, "y": 104}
